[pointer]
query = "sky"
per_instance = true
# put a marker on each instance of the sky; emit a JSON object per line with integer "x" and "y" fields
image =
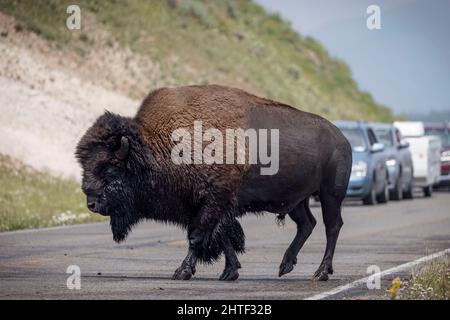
{"x": 405, "y": 65}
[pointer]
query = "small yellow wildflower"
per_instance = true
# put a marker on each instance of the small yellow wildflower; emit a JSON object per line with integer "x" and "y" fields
{"x": 395, "y": 286}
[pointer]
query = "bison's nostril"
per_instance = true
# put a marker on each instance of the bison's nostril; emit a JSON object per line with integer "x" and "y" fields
{"x": 91, "y": 206}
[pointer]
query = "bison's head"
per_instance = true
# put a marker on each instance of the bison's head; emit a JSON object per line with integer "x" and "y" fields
{"x": 114, "y": 160}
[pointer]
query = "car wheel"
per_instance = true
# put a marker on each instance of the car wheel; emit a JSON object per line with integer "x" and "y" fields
{"x": 383, "y": 197}
{"x": 397, "y": 193}
{"x": 428, "y": 191}
{"x": 371, "y": 198}
{"x": 409, "y": 192}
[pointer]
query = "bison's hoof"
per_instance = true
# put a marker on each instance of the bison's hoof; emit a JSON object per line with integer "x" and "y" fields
{"x": 321, "y": 276}
{"x": 229, "y": 274}
{"x": 287, "y": 266}
{"x": 183, "y": 273}
{"x": 322, "y": 273}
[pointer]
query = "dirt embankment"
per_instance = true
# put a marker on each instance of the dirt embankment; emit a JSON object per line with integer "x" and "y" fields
{"x": 47, "y": 100}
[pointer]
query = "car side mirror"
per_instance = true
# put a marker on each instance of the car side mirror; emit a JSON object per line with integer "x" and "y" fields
{"x": 403, "y": 144}
{"x": 377, "y": 147}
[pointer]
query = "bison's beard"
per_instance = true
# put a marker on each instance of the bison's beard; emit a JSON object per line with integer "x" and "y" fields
{"x": 121, "y": 226}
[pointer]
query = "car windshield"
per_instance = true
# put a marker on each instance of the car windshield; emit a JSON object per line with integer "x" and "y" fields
{"x": 443, "y": 134}
{"x": 356, "y": 139}
{"x": 385, "y": 137}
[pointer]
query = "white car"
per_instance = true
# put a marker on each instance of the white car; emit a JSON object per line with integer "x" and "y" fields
{"x": 426, "y": 152}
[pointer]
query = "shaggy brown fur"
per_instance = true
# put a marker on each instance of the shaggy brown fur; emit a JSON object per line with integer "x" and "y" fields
{"x": 315, "y": 158}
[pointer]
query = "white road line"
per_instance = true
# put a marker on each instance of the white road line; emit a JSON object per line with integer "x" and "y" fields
{"x": 384, "y": 273}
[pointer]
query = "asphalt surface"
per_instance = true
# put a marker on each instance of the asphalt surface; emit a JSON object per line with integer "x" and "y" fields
{"x": 33, "y": 263}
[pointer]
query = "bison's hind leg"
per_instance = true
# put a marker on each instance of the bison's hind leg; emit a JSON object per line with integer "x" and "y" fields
{"x": 305, "y": 221}
{"x": 331, "y": 212}
{"x": 332, "y": 193}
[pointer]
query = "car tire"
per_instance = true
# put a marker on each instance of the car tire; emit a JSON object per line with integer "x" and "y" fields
{"x": 428, "y": 191}
{"x": 371, "y": 198}
{"x": 383, "y": 197}
{"x": 409, "y": 192}
{"x": 397, "y": 193}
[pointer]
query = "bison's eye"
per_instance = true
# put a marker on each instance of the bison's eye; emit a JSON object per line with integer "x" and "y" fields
{"x": 117, "y": 163}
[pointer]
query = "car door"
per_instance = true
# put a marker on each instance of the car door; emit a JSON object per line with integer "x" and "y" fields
{"x": 379, "y": 160}
{"x": 405, "y": 158}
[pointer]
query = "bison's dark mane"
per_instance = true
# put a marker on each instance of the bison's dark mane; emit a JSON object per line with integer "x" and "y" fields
{"x": 178, "y": 199}
{"x": 144, "y": 186}
{"x": 149, "y": 191}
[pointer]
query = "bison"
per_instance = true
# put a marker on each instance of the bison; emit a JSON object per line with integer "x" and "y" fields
{"x": 129, "y": 173}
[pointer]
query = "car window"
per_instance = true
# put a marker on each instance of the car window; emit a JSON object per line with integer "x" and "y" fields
{"x": 443, "y": 134}
{"x": 385, "y": 137}
{"x": 372, "y": 137}
{"x": 356, "y": 139}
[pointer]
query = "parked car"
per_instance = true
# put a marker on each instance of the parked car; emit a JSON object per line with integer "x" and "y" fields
{"x": 426, "y": 152}
{"x": 442, "y": 129}
{"x": 369, "y": 177}
{"x": 398, "y": 162}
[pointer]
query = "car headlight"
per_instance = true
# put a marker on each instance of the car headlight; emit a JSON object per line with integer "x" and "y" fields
{"x": 359, "y": 169}
{"x": 391, "y": 162}
{"x": 445, "y": 156}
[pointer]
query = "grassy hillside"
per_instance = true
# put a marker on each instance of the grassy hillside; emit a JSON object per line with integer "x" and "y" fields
{"x": 201, "y": 41}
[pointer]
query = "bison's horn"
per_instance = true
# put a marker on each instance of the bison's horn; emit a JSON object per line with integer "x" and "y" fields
{"x": 122, "y": 153}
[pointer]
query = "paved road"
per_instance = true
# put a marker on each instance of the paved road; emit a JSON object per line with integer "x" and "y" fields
{"x": 33, "y": 263}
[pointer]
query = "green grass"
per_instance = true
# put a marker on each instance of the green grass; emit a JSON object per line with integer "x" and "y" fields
{"x": 228, "y": 42}
{"x": 30, "y": 199}
{"x": 432, "y": 282}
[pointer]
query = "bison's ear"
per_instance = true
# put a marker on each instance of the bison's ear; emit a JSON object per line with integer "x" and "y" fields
{"x": 124, "y": 149}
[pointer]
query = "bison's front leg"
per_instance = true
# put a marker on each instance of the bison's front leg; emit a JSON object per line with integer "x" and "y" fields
{"x": 208, "y": 237}
{"x": 187, "y": 268}
{"x": 234, "y": 241}
{"x": 199, "y": 240}
{"x": 230, "y": 273}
